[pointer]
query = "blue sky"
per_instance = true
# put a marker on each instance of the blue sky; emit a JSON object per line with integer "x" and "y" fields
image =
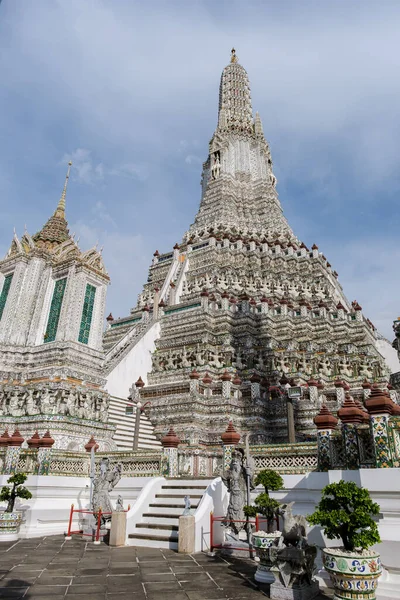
{"x": 129, "y": 91}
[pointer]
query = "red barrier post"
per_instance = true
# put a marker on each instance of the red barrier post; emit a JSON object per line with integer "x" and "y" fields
{"x": 68, "y": 536}
{"x": 211, "y": 532}
{"x": 97, "y": 538}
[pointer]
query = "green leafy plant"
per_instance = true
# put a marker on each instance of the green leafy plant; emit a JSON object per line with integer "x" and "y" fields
{"x": 17, "y": 491}
{"x": 263, "y": 504}
{"x": 270, "y": 480}
{"x": 345, "y": 512}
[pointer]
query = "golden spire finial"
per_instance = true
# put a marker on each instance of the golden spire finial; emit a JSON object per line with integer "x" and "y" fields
{"x": 60, "y": 210}
{"x": 233, "y": 56}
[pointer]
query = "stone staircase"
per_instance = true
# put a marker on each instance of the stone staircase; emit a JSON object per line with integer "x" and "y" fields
{"x": 125, "y": 423}
{"x": 158, "y": 526}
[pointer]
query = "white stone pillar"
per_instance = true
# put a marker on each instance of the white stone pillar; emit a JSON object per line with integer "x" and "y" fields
{"x": 204, "y": 296}
{"x": 225, "y": 301}
{"x": 194, "y": 382}
{"x": 170, "y": 443}
{"x": 226, "y": 385}
{"x": 255, "y": 386}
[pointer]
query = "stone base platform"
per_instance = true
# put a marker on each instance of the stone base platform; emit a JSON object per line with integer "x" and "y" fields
{"x": 69, "y": 433}
{"x": 53, "y": 568}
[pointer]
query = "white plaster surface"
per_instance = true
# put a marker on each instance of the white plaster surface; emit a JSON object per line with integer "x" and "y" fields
{"x": 216, "y": 499}
{"x": 47, "y": 513}
{"x": 390, "y": 355}
{"x": 137, "y": 363}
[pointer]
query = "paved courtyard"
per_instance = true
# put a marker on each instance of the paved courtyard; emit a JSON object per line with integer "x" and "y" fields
{"x": 53, "y": 568}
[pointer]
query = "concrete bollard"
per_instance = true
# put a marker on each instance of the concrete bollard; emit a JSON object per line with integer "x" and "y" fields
{"x": 186, "y": 534}
{"x": 118, "y": 529}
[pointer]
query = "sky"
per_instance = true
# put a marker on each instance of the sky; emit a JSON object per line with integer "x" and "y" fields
{"x": 128, "y": 90}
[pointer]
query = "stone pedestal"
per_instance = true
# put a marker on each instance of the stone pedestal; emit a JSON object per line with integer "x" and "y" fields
{"x": 186, "y": 534}
{"x": 293, "y": 569}
{"x": 118, "y": 529}
{"x": 302, "y": 591}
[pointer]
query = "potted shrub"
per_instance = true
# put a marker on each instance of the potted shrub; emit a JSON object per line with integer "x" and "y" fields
{"x": 345, "y": 512}
{"x": 10, "y": 519}
{"x": 267, "y": 507}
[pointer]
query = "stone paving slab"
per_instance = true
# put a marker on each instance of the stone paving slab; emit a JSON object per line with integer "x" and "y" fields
{"x": 53, "y": 568}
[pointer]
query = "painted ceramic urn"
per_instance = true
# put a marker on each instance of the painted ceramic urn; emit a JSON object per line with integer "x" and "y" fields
{"x": 9, "y": 526}
{"x": 262, "y": 542}
{"x": 354, "y": 574}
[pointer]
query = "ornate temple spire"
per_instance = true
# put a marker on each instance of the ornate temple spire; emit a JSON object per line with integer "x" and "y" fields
{"x": 60, "y": 210}
{"x": 55, "y": 231}
{"x": 238, "y": 183}
{"x": 234, "y": 96}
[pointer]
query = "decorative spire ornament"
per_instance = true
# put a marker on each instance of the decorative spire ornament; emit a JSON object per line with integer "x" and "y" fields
{"x": 60, "y": 210}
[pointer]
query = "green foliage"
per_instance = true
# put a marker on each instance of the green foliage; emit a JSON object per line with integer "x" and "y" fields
{"x": 271, "y": 480}
{"x": 17, "y": 491}
{"x": 263, "y": 504}
{"x": 250, "y": 511}
{"x": 345, "y": 512}
{"x": 266, "y": 506}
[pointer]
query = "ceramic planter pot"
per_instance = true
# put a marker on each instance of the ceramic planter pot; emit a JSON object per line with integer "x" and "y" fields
{"x": 9, "y": 526}
{"x": 262, "y": 541}
{"x": 354, "y": 575}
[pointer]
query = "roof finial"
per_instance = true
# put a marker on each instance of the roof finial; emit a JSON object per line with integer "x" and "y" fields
{"x": 60, "y": 210}
{"x": 233, "y": 56}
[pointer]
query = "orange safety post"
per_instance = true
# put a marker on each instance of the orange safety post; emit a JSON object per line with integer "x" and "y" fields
{"x": 211, "y": 531}
{"x": 68, "y": 536}
{"x": 97, "y": 538}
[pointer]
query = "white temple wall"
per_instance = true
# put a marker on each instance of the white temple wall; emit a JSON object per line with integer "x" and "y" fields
{"x": 47, "y": 513}
{"x": 383, "y": 485}
{"x": 137, "y": 363}
{"x": 389, "y": 354}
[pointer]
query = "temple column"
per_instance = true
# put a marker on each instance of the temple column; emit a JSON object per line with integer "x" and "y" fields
{"x": 313, "y": 389}
{"x": 255, "y": 386}
{"x": 194, "y": 377}
{"x": 339, "y": 385}
{"x": 170, "y": 443}
{"x": 225, "y": 301}
{"x": 380, "y": 407}
{"x": 226, "y": 385}
{"x": 204, "y": 299}
{"x": 12, "y": 454}
{"x": 325, "y": 423}
{"x": 230, "y": 439}
{"x": 350, "y": 416}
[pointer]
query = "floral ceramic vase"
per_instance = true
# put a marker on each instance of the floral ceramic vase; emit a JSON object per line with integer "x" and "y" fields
{"x": 9, "y": 526}
{"x": 262, "y": 542}
{"x": 354, "y": 574}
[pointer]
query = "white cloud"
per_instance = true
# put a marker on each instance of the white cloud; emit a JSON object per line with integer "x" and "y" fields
{"x": 191, "y": 159}
{"x": 134, "y": 88}
{"x": 83, "y": 168}
{"x": 368, "y": 273}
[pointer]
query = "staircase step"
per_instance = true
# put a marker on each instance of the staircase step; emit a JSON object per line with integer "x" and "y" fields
{"x": 163, "y": 505}
{"x": 160, "y": 511}
{"x": 167, "y": 536}
{"x": 162, "y": 518}
{"x": 184, "y": 487}
{"x": 182, "y": 495}
{"x": 146, "y": 543}
{"x": 157, "y": 526}
{"x": 204, "y": 482}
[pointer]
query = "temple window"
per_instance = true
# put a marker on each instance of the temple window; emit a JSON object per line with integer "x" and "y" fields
{"x": 4, "y": 292}
{"x": 55, "y": 310}
{"x": 87, "y": 314}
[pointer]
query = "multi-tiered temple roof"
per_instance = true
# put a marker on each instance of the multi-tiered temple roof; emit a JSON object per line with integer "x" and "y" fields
{"x": 241, "y": 306}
